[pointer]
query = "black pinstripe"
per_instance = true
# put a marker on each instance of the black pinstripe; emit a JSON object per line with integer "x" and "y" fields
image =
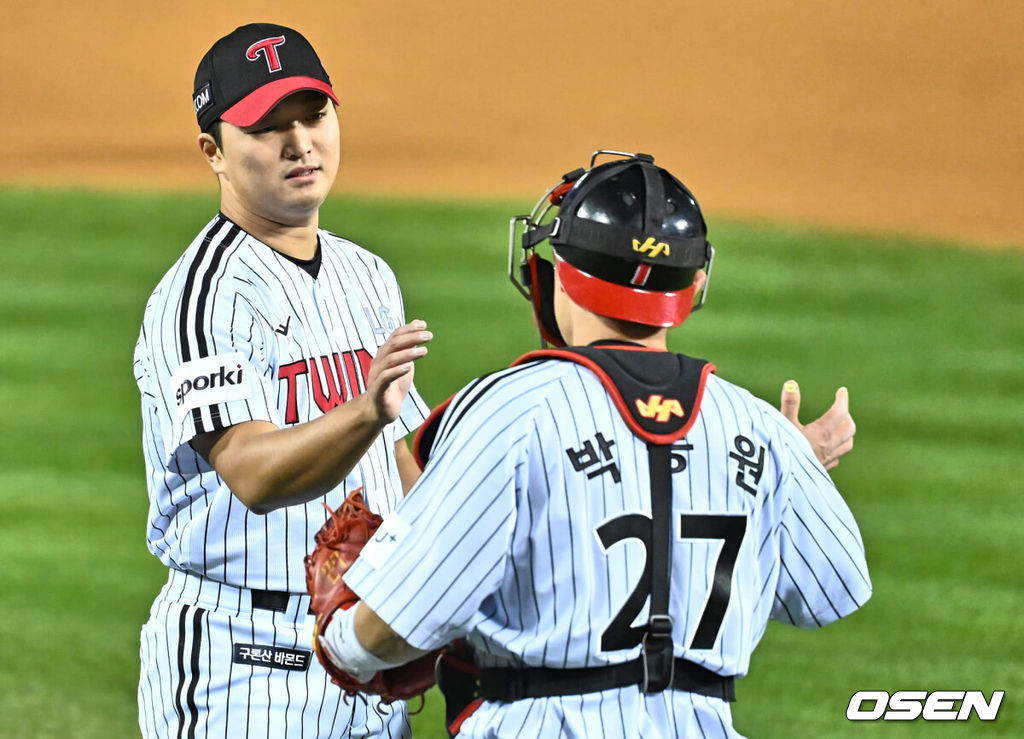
{"x": 197, "y": 640}
{"x": 179, "y": 707}
{"x": 461, "y": 408}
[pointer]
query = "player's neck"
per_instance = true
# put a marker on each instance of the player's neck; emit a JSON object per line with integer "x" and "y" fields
{"x": 298, "y": 240}
{"x": 587, "y": 328}
{"x": 653, "y": 342}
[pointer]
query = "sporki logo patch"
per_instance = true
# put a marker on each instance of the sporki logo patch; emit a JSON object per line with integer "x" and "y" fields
{"x": 209, "y": 381}
{"x": 221, "y": 378}
{"x": 909, "y": 705}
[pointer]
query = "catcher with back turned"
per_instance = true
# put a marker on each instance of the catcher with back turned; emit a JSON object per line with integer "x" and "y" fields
{"x": 602, "y": 530}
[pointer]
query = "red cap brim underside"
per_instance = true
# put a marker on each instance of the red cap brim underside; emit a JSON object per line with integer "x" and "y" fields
{"x": 258, "y": 103}
{"x": 649, "y": 307}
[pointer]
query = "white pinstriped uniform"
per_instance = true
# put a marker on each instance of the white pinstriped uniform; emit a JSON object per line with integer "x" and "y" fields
{"x": 503, "y": 545}
{"x": 236, "y": 332}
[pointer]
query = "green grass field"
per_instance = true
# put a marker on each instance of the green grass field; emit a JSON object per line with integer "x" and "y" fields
{"x": 928, "y": 337}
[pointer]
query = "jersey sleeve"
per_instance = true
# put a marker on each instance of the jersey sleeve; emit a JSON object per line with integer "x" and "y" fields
{"x": 823, "y": 574}
{"x": 213, "y": 365}
{"x": 445, "y": 549}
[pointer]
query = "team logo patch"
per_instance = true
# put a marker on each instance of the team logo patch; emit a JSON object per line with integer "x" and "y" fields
{"x": 385, "y": 540}
{"x": 209, "y": 381}
{"x": 276, "y": 658}
{"x": 652, "y": 248}
{"x": 266, "y": 48}
{"x": 660, "y": 408}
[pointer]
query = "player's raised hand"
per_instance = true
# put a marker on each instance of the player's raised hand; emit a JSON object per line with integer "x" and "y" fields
{"x": 831, "y": 436}
{"x": 391, "y": 371}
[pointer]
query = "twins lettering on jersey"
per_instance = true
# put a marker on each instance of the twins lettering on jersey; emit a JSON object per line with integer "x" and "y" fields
{"x": 331, "y": 380}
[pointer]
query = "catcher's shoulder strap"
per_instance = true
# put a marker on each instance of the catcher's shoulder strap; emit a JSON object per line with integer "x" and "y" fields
{"x": 658, "y": 393}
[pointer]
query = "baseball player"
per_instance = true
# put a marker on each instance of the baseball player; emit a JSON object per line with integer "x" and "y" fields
{"x": 607, "y": 526}
{"x": 275, "y": 367}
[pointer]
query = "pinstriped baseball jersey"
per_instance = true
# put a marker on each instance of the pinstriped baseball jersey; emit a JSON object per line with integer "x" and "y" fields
{"x": 525, "y": 534}
{"x": 235, "y": 332}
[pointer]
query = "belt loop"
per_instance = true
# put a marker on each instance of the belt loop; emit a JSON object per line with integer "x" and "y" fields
{"x": 270, "y": 600}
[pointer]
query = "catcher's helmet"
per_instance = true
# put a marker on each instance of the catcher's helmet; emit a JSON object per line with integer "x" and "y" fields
{"x": 628, "y": 240}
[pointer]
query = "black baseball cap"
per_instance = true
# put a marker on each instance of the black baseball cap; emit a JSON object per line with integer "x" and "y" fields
{"x": 249, "y": 71}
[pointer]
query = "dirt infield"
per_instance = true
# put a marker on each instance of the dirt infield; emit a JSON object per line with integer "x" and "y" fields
{"x": 901, "y": 117}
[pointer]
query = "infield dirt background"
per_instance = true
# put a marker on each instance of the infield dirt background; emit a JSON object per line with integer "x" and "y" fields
{"x": 900, "y": 117}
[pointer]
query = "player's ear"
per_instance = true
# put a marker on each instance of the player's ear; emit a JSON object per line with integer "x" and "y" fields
{"x": 211, "y": 152}
{"x": 699, "y": 278}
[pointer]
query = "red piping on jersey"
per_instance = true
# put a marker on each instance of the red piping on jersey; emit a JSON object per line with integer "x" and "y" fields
{"x": 649, "y": 307}
{"x": 434, "y": 416}
{"x": 624, "y": 411}
{"x": 466, "y": 712}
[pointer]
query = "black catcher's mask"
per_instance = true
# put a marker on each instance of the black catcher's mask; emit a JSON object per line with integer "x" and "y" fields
{"x": 627, "y": 239}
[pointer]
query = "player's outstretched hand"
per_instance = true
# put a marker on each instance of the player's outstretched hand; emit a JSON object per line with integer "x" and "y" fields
{"x": 831, "y": 436}
{"x": 391, "y": 371}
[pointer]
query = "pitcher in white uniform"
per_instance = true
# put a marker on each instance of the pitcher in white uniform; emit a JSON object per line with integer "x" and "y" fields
{"x": 275, "y": 368}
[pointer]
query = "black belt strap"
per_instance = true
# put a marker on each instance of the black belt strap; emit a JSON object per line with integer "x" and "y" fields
{"x": 509, "y": 684}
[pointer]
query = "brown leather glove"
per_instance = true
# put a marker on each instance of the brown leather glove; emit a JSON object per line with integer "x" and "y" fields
{"x": 338, "y": 543}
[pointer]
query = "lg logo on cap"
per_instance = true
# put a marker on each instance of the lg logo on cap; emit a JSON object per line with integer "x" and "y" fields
{"x": 267, "y": 48}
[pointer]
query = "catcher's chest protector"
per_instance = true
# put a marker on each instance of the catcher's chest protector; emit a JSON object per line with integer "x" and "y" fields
{"x": 658, "y": 393}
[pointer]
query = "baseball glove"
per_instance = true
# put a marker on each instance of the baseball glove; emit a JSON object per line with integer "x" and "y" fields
{"x": 338, "y": 543}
